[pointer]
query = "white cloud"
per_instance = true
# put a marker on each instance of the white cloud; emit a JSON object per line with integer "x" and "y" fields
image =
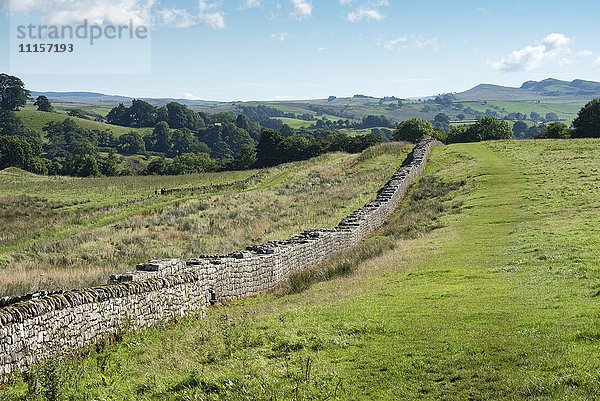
{"x": 555, "y": 46}
{"x": 204, "y": 5}
{"x": 284, "y": 98}
{"x": 412, "y": 41}
{"x": 281, "y": 36}
{"x": 597, "y": 62}
{"x": 246, "y": 4}
{"x": 207, "y": 14}
{"x": 302, "y": 9}
{"x": 365, "y": 13}
{"x": 585, "y": 53}
{"x": 214, "y": 20}
{"x": 190, "y": 96}
{"x": 368, "y": 12}
{"x": 64, "y": 12}
{"x": 345, "y": 2}
{"x": 174, "y": 17}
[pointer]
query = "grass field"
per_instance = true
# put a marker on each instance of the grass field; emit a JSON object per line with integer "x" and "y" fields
{"x": 566, "y": 111}
{"x": 489, "y": 291}
{"x": 68, "y": 232}
{"x": 36, "y": 120}
{"x": 295, "y": 123}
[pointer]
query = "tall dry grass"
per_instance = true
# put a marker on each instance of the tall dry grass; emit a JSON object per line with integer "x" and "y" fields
{"x": 313, "y": 194}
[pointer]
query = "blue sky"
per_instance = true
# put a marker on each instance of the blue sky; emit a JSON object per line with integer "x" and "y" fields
{"x": 299, "y": 49}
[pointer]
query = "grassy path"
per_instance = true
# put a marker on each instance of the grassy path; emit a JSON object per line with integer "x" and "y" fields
{"x": 499, "y": 302}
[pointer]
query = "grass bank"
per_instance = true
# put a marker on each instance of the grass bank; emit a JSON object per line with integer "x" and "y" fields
{"x": 498, "y": 301}
{"x": 65, "y": 232}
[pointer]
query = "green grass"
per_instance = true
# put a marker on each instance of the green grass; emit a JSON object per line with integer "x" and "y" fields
{"x": 295, "y": 123}
{"x": 496, "y": 299}
{"x": 566, "y": 111}
{"x": 60, "y": 232}
{"x": 36, "y": 120}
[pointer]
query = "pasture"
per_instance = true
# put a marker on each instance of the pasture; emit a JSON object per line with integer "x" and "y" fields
{"x": 484, "y": 285}
{"x": 60, "y": 232}
{"x": 36, "y": 120}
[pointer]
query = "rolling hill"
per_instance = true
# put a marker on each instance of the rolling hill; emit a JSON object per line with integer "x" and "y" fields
{"x": 549, "y": 95}
{"x": 547, "y": 89}
{"x": 492, "y": 297}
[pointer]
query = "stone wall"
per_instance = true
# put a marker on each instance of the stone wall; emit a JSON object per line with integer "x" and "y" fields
{"x": 58, "y": 323}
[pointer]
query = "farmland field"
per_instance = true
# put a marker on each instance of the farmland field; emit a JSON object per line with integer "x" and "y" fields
{"x": 565, "y": 110}
{"x": 36, "y": 120}
{"x": 295, "y": 123}
{"x": 59, "y": 232}
{"x": 484, "y": 285}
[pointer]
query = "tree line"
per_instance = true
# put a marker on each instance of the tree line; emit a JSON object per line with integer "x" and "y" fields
{"x": 185, "y": 141}
{"x": 181, "y": 141}
{"x": 586, "y": 125}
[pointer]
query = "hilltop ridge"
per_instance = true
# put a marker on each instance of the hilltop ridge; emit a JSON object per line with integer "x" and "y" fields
{"x": 547, "y": 89}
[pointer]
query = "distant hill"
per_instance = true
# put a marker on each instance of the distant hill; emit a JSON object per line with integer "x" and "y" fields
{"x": 548, "y": 89}
{"x": 82, "y": 97}
{"x": 94, "y": 98}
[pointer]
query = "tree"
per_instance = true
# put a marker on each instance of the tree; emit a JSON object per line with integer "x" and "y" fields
{"x": 554, "y": 130}
{"x": 107, "y": 139}
{"x": 184, "y": 141}
{"x": 67, "y": 138}
{"x": 161, "y": 137}
{"x": 108, "y": 165}
{"x": 535, "y": 116}
{"x": 245, "y": 159}
{"x": 267, "y": 150}
{"x": 11, "y": 124}
{"x": 190, "y": 163}
{"x": 587, "y": 123}
{"x": 442, "y": 122}
{"x": 485, "y": 129}
{"x": 13, "y": 94}
{"x": 43, "y": 104}
{"x": 131, "y": 143}
{"x": 519, "y": 127}
{"x": 82, "y": 165}
{"x": 162, "y": 166}
{"x": 372, "y": 121}
{"x": 180, "y": 116}
{"x": 460, "y": 117}
{"x": 458, "y": 134}
{"x": 413, "y": 130}
{"x": 142, "y": 114}
{"x": 243, "y": 121}
{"x": 119, "y": 116}
{"x": 551, "y": 117}
{"x": 221, "y": 150}
{"x": 489, "y": 128}
{"x": 531, "y": 132}
{"x": 17, "y": 151}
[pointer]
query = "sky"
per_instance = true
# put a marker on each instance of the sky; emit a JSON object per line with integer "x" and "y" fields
{"x": 232, "y": 50}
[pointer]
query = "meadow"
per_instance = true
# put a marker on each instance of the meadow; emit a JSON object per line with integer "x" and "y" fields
{"x": 37, "y": 120}
{"x": 483, "y": 286}
{"x": 61, "y": 232}
{"x": 565, "y": 110}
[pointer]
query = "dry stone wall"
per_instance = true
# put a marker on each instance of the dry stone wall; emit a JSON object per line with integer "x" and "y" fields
{"x": 58, "y": 323}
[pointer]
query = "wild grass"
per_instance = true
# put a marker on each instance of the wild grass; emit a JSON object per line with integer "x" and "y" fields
{"x": 417, "y": 216}
{"x": 498, "y": 302}
{"x": 76, "y": 232}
